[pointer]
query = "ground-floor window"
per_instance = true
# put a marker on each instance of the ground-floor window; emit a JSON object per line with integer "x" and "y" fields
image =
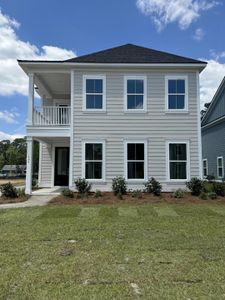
{"x": 220, "y": 171}
{"x": 93, "y": 164}
{"x": 178, "y": 161}
{"x": 135, "y": 160}
{"x": 205, "y": 167}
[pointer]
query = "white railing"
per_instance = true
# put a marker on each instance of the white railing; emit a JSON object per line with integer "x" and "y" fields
{"x": 51, "y": 115}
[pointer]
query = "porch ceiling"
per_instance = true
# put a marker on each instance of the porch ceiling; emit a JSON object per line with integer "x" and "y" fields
{"x": 54, "y": 140}
{"x": 53, "y": 85}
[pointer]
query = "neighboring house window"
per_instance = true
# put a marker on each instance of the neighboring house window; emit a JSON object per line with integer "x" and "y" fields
{"x": 178, "y": 161}
{"x": 205, "y": 167}
{"x": 135, "y": 93}
{"x": 94, "y": 93}
{"x": 93, "y": 160}
{"x": 176, "y": 93}
{"x": 220, "y": 171}
{"x": 135, "y": 161}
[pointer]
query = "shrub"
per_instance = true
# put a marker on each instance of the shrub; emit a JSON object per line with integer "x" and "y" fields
{"x": 195, "y": 185}
{"x": 97, "y": 194}
{"x": 136, "y": 194}
{"x": 67, "y": 193}
{"x": 119, "y": 186}
{"x": 204, "y": 196}
{"x": 219, "y": 188}
{"x": 153, "y": 186}
{"x": 83, "y": 186}
{"x": 210, "y": 177}
{"x": 34, "y": 182}
{"x": 8, "y": 190}
{"x": 212, "y": 195}
{"x": 179, "y": 193}
{"x": 21, "y": 192}
{"x": 208, "y": 186}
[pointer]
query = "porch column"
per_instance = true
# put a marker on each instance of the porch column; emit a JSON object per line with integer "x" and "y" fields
{"x": 28, "y": 189}
{"x": 30, "y": 99}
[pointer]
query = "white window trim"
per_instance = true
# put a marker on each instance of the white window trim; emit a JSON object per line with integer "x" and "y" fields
{"x": 103, "y": 159}
{"x": 207, "y": 171}
{"x": 93, "y": 76}
{"x": 135, "y": 77}
{"x": 176, "y": 77}
{"x": 136, "y": 180}
{"x": 220, "y": 177}
{"x": 168, "y": 160}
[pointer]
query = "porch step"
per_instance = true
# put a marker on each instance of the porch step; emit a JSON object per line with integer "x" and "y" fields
{"x": 48, "y": 191}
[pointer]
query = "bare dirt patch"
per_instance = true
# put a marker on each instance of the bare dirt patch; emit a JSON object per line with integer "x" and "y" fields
{"x": 110, "y": 198}
{"x": 4, "y": 200}
{"x": 16, "y": 182}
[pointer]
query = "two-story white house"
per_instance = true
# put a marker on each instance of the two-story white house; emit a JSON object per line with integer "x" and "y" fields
{"x": 127, "y": 111}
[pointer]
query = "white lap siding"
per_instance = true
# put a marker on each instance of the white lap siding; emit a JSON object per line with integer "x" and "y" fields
{"x": 45, "y": 172}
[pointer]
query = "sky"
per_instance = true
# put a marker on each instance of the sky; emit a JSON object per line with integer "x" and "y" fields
{"x": 54, "y": 30}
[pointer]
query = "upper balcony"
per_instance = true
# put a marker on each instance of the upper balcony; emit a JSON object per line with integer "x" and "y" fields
{"x": 52, "y": 116}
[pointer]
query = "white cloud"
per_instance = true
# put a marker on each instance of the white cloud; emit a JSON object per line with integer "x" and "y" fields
{"x": 11, "y": 137}
{"x": 12, "y": 78}
{"x": 183, "y": 12}
{"x": 199, "y": 34}
{"x": 210, "y": 80}
{"x": 9, "y": 116}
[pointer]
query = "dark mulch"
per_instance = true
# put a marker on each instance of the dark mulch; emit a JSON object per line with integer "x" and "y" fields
{"x": 110, "y": 198}
{"x": 4, "y": 200}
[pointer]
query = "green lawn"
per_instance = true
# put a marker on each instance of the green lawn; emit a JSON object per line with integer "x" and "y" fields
{"x": 151, "y": 251}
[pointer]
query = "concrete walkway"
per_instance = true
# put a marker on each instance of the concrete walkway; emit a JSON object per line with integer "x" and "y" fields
{"x": 31, "y": 202}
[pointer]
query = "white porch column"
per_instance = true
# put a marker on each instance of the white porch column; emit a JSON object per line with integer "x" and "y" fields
{"x": 30, "y": 99}
{"x": 29, "y": 170}
{"x": 71, "y": 179}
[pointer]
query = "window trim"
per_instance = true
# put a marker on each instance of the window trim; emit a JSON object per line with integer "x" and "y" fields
{"x": 217, "y": 167}
{"x": 207, "y": 171}
{"x": 136, "y": 180}
{"x": 134, "y": 77}
{"x": 187, "y": 143}
{"x": 94, "y": 76}
{"x": 100, "y": 141}
{"x": 176, "y": 77}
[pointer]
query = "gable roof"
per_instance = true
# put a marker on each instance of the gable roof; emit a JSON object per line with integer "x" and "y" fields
{"x": 214, "y": 101}
{"x": 131, "y": 54}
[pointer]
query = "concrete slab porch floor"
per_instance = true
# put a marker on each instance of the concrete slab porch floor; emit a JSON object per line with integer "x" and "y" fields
{"x": 53, "y": 191}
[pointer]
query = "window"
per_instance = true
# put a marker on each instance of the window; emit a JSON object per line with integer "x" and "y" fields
{"x": 205, "y": 167}
{"x": 93, "y": 161}
{"x": 135, "y": 93}
{"x": 135, "y": 161}
{"x": 220, "y": 172}
{"x": 176, "y": 93}
{"x": 178, "y": 168}
{"x": 94, "y": 93}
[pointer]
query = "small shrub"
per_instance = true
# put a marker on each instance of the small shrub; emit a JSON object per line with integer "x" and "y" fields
{"x": 136, "y": 194}
{"x": 208, "y": 186}
{"x": 153, "y": 186}
{"x": 119, "y": 186}
{"x": 21, "y": 192}
{"x": 204, "y": 196}
{"x": 97, "y": 194}
{"x": 179, "y": 193}
{"x": 195, "y": 185}
{"x": 219, "y": 188}
{"x": 83, "y": 186}
{"x": 34, "y": 182}
{"x": 8, "y": 190}
{"x": 67, "y": 193}
{"x": 212, "y": 195}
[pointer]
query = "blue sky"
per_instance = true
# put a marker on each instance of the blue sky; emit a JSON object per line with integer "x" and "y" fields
{"x": 60, "y": 29}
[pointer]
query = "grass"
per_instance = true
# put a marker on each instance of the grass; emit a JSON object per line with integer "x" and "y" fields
{"x": 149, "y": 251}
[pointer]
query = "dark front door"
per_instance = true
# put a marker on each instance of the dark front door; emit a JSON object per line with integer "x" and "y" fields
{"x": 62, "y": 166}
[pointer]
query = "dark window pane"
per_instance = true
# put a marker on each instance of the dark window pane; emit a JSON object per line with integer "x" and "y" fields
{"x": 139, "y": 86}
{"x": 98, "y": 101}
{"x": 135, "y": 170}
{"x": 139, "y": 102}
{"x": 94, "y": 86}
{"x": 89, "y": 152}
{"x": 139, "y": 151}
{"x": 180, "y": 102}
{"x": 172, "y": 102}
{"x": 90, "y": 101}
{"x": 172, "y": 86}
{"x": 177, "y": 152}
{"x": 131, "y": 86}
{"x": 97, "y": 170}
{"x": 97, "y": 151}
{"x": 90, "y": 86}
{"x": 131, "y": 151}
{"x": 140, "y": 170}
{"x": 178, "y": 170}
{"x": 131, "y": 102}
{"x": 180, "y": 86}
{"x": 98, "y": 86}
{"x": 93, "y": 170}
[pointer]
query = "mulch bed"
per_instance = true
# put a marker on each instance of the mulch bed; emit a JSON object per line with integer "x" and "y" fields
{"x": 4, "y": 200}
{"x": 110, "y": 198}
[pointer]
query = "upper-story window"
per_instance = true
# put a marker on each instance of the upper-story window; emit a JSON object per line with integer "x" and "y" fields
{"x": 135, "y": 93}
{"x": 94, "y": 93}
{"x": 176, "y": 93}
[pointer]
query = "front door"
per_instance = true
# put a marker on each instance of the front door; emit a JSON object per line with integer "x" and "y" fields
{"x": 61, "y": 166}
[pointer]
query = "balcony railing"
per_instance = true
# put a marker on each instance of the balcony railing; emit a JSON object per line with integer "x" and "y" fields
{"x": 51, "y": 116}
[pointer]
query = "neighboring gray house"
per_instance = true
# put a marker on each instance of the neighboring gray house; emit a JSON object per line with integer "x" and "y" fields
{"x": 213, "y": 135}
{"x": 127, "y": 111}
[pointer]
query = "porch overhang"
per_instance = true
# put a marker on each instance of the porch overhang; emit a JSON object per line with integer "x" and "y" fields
{"x": 58, "y": 131}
